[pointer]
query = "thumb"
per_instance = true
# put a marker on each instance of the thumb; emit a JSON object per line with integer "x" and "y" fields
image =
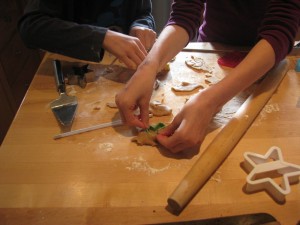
{"x": 144, "y": 114}
{"x": 169, "y": 130}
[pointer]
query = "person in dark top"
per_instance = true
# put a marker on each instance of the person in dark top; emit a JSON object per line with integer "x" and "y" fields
{"x": 83, "y": 29}
{"x": 268, "y": 26}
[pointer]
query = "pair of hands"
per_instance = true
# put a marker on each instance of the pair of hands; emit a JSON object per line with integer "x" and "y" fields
{"x": 187, "y": 130}
{"x": 130, "y": 49}
{"x": 189, "y": 126}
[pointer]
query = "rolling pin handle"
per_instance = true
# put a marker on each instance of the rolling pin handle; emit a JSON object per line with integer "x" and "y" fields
{"x": 174, "y": 205}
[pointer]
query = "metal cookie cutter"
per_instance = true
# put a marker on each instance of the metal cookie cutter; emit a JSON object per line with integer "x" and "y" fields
{"x": 271, "y": 173}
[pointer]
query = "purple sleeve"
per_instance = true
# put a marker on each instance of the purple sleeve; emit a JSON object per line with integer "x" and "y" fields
{"x": 187, "y": 14}
{"x": 280, "y": 25}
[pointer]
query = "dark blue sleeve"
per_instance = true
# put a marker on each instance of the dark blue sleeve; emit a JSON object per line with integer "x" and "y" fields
{"x": 47, "y": 25}
{"x": 144, "y": 16}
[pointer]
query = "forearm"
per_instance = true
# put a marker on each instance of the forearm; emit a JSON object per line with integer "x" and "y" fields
{"x": 257, "y": 63}
{"x": 171, "y": 41}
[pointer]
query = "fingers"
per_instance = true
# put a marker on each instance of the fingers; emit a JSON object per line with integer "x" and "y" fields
{"x": 170, "y": 144}
{"x": 168, "y": 137}
{"x": 150, "y": 40}
{"x": 176, "y": 138}
{"x": 176, "y": 143}
{"x": 127, "y": 113}
{"x": 147, "y": 38}
{"x": 145, "y": 35}
{"x": 128, "y": 117}
{"x": 144, "y": 114}
{"x": 170, "y": 129}
{"x": 133, "y": 54}
{"x": 127, "y": 49}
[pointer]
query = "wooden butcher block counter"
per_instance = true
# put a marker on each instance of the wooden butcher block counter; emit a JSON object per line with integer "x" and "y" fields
{"x": 102, "y": 177}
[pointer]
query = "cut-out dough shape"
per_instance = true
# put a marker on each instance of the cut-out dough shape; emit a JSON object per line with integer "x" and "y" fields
{"x": 186, "y": 87}
{"x": 148, "y": 137}
{"x": 263, "y": 168}
{"x": 198, "y": 63}
{"x": 159, "y": 109}
{"x": 145, "y": 138}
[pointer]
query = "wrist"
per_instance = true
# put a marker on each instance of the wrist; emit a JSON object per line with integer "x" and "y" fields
{"x": 151, "y": 66}
{"x": 211, "y": 100}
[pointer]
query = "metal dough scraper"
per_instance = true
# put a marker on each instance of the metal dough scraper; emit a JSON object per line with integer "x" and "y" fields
{"x": 65, "y": 106}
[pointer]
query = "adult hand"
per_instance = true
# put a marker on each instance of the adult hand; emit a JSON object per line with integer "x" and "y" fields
{"x": 136, "y": 95}
{"x": 146, "y": 36}
{"x": 127, "y": 49}
{"x": 189, "y": 127}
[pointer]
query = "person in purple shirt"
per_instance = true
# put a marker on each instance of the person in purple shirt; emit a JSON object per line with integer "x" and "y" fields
{"x": 84, "y": 29}
{"x": 268, "y": 26}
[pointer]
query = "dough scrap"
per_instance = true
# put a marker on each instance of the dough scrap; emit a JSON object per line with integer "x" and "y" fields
{"x": 165, "y": 70}
{"x": 156, "y": 84}
{"x": 166, "y": 67}
{"x": 186, "y": 86}
{"x": 111, "y": 105}
{"x": 159, "y": 109}
{"x": 198, "y": 63}
{"x": 96, "y": 105}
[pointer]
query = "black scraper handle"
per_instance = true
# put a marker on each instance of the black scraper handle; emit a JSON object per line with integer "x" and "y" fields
{"x": 59, "y": 77}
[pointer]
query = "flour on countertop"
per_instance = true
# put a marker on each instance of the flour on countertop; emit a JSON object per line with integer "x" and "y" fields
{"x": 271, "y": 108}
{"x": 216, "y": 177}
{"x": 141, "y": 165}
{"x": 120, "y": 158}
{"x": 106, "y": 147}
{"x": 83, "y": 114}
{"x": 268, "y": 109}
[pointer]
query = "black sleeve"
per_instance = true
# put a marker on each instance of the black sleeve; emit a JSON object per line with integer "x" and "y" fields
{"x": 45, "y": 25}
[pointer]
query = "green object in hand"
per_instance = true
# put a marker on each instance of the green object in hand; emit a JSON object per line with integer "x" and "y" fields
{"x": 148, "y": 136}
{"x": 156, "y": 127}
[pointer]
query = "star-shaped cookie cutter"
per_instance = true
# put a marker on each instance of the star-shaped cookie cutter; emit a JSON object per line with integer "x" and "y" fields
{"x": 265, "y": 169}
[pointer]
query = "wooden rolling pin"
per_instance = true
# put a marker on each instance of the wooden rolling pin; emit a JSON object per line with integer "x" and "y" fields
{"x": 226, "y": 139}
